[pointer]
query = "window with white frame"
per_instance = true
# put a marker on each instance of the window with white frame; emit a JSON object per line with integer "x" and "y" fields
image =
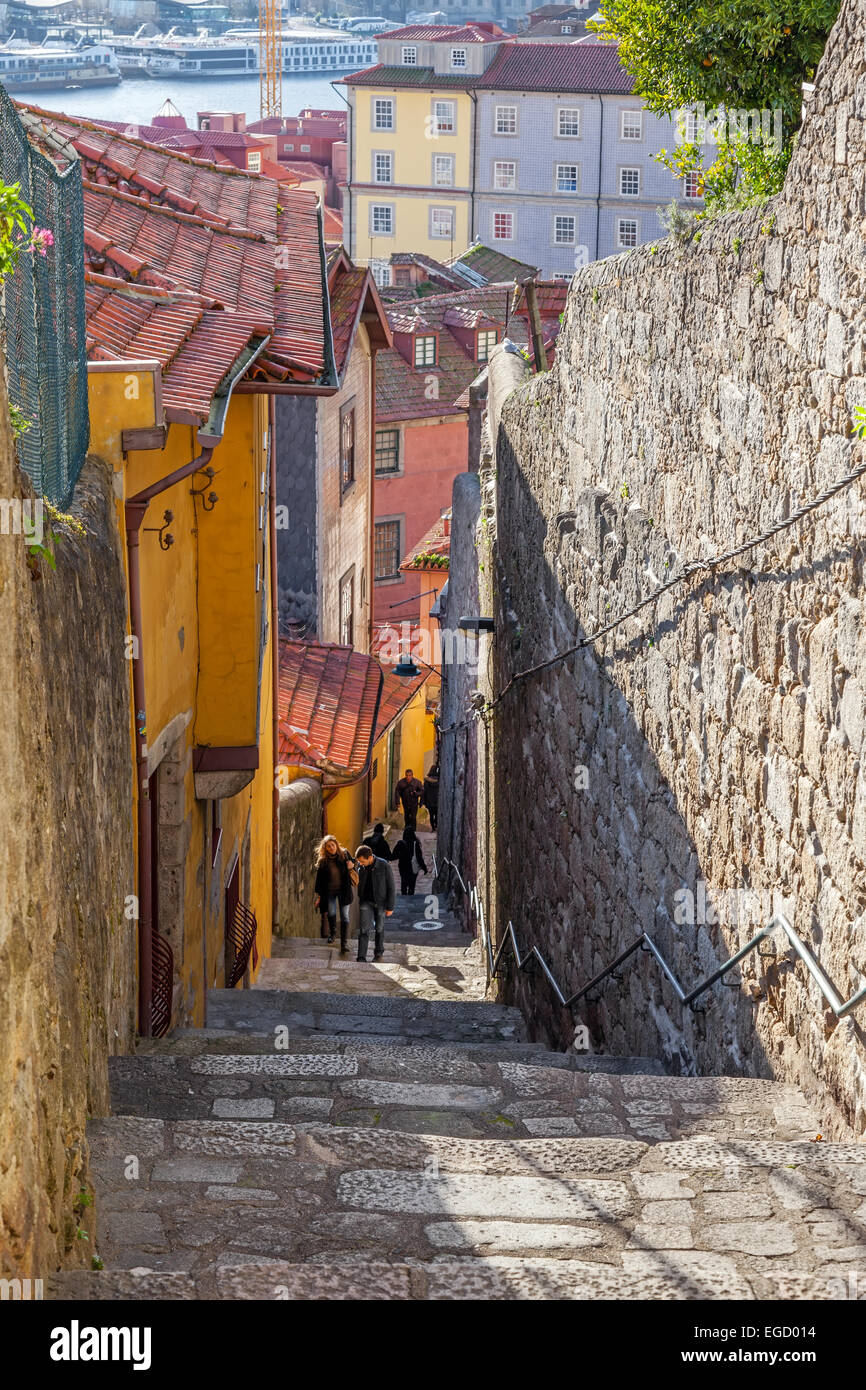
{"x": 458, "y": 57}
{"x": 504, "y": 173}
{"x": 444, "y": 117}
{"x": 631, "y": 125}
{"x": 381, "y": 272}
{"x": 568, "y": 121}
{"x": 486, "y": 340}
{"x": 383, "y": 167}
{"x": 383, "y": 113}
{"x": 442, "y": 223}
{"x": 626, "y": 232}
{"x": 425, "y": 351}
{"x": 505, "y": 122}
{"x": 503, "y": 226}
{"x": 566, "y": 178}
{"x": 382, "y": 219}
{"x": 410, "y": 56}
{"x": 563, "y": 275}
{"x": 443, "y": 171}
{"x": 692, "y": 184}
{"x": 629, "y": 183}
{"x": 687, "y": 126}
{"x": 564, "y": 230}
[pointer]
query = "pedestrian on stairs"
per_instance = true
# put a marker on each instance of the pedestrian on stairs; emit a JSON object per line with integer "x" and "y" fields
{"x": 431, "y": 794}
{"x": 409, "y": 793}
{"x": 410, "y": 858}
{"x": 378, "y": 842}
{"x": 375, "y": 900}
{"x": 335, "y": 875}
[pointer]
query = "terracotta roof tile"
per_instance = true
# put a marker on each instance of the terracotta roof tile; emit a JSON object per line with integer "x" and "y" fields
{"x": 557, "y": 67}
{"x": 436, "y": 541}
{"x": 328, "y": 707}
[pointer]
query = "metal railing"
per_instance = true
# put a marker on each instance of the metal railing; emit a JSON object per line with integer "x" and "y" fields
{"x": 644, "y": 943}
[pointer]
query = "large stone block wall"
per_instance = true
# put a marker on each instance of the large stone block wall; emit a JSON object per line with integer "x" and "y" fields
{"x": 715, "y": 743}
{"x": 67, "y": 952}
{"x": 300, "y": 832}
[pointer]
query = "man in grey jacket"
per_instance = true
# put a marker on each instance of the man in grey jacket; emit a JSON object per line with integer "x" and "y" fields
{"x": 375, "y": 900}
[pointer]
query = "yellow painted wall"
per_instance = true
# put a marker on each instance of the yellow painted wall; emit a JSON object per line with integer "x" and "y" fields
{"x": 203, "y": 668}
{"x": 345, "y": 814}
{"x": 411, "y": 225}
{"x": 417, "y": 740}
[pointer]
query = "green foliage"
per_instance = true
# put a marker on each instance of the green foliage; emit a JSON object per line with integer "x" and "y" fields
{"x": 859, "y": 428}
{"x": 743, "y": 174}
{"x": 19, "y": 420}
{"x": 14, "y": 213}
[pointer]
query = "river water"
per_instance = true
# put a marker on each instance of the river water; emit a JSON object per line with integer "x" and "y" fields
{"x": 137, "y": 100}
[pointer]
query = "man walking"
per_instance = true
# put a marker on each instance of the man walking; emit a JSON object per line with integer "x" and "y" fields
{"x": 431, "y": 794}
{"x": 409, "y": 794}
{"x": 375, "y": 900}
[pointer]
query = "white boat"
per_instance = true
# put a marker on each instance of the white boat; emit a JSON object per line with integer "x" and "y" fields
{"x": 236, "y": 54}
{"x": 25, "y": 68}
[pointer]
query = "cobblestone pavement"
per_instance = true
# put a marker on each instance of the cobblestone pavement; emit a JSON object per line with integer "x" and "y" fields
{"x": 345, "y": 1132}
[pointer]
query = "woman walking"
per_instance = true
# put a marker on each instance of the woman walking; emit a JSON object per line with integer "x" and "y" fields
{"x": 335, "y": 875}
{"x": 408, "y": 855}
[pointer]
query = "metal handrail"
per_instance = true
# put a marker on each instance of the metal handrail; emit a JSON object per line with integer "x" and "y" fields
{"x": 645, "y": 943}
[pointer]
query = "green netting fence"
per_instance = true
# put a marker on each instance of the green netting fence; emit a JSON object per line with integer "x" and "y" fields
{"x": 43, "y": 316}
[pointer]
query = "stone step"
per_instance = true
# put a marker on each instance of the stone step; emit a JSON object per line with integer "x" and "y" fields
{"x": 263, "y": 1010}
{"x": 418, "y": 1090}
{"x": 196, "y": 1042}
{"x": 445, "y": 975}
{"x": 754, "y": 1218}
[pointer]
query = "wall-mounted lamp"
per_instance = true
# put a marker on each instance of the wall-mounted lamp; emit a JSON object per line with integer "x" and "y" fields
{"x": 166, "y": 539}
{"x": 476, "y": 624}
{"x": 210, "y": 500}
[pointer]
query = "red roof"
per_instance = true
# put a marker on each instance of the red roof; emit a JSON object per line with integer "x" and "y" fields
{"x": 192, "y": 264}
{"x": 397, "y": 691}
{"x": 328, "y": 708}
{"x": 436, "y": 541}
{"x": 352, "y": 290}
{"x": 448, "y": 33}
{"x": 403, "y": 390}
{"x": 557, "y": 67}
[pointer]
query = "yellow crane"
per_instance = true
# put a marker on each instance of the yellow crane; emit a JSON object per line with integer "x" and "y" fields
{"x": 270, "y": 58}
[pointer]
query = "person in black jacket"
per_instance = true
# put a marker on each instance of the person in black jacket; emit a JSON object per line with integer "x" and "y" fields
{"x": 407, "y": 853}
{"x": 375, "y": 900}
{"x": 333, "y": 888}
{"x": 378, "y": 843}
{"x": 431, "y": 794}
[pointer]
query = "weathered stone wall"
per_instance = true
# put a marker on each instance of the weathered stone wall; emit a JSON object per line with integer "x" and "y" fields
{"x": 699, "y": 395}
{"x": 67, "y": 955}
{"x": 300, "y": 832}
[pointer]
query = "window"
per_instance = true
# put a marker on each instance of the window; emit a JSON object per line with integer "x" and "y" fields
{"x": 566, "y": 29}
{"x": 692, "y": 184}
{"x": 506, "y": 120}
{"x": 458, "y": 57}
{"x": 487, "y": 338}
{"x": 563, "y": 275}
{"x": 410, "y": 57}
{"x": 443, "y": 170}
{"x": 383, "y": 113}
{"x": 254, "y": 161}
{"x": 386, "y": 549}
{"x": 347, "y": 608}
{"x": 564, "y": 230}
{"x": 443, "y": 117}
{"x": 425, "y": 351}
{"x": 626, "y": 232}
{"x": 442, "y": 223}
{"x": 629, "y": 183}
{"x": 305, "y": 149}
{"x": 503, "y": 226}
{"x": 566, "y": 178}
{"x": 504, "y": 173}
{"x": 631, "y": 127}
{"x": 347, "y": 447}
{"x": 687, "y": 126}
{"x": 383, "y": 168}
{"x": 569, "y": 121}
{"x": 387, "y": 451}
{"x": 382, "y": 219}
{"x": 381, "y": 272}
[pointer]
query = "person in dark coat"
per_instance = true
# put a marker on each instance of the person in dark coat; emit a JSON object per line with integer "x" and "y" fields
{"x": 409, "y": 792}
{"x": 431, "y": 794}
{"x": 377, "y": 842}
{"x": 333, "y": 888}
{"x": 375, "y": 900}
{"x": 410, "y": 859}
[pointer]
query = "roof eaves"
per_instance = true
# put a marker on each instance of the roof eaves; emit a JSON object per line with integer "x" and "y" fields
{"x": 212, "y": 430}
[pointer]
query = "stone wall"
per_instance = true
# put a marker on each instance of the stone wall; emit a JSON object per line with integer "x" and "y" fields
{"x": 300, "y": 832}
{"x": 714, "y": 745}
{"x": 67, "y": 954}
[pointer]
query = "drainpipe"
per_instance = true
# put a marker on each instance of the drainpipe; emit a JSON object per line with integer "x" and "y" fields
{"x": 135, "y": 512}
{"x": 371, "y": 558}
{"x": 598, "y": 189}
{"x": 275, "y": 650}
{"x": 474, "y": 156}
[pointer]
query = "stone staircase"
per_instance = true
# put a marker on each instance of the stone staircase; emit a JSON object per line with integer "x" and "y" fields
{"x": 344, "y": 1131}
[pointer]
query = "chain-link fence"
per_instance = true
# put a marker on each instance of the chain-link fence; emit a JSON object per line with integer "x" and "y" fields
{"x": 43, "y": 317}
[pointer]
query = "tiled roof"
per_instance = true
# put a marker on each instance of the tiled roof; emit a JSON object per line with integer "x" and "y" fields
{"x": 397, "y": 691}
{"x": 402, "y": 390}
{"x": 346, "y": 300}
{"x": 557, "y": 67}
{"x": 447, "y": 33}
{"x": 551, "y": 296}
{"x": 332, "y": 219}
{"x": 384, "y": 76}
{"x": 436, "y": 541}
{"x": 182, "y": 263}
{"x": 328, "y": 708}
{"x": 493, "y": 266}
{"x": 305, "y": 168}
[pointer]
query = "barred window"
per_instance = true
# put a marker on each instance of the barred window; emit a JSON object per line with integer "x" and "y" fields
{"x": 386, "y": 549}
{"x": 387, "y": 451}
{"x": 347, "y": 447}
{"x": 347, "y": 608}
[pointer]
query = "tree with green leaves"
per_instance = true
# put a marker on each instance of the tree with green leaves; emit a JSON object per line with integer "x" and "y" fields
{"x": 736, "y": 55}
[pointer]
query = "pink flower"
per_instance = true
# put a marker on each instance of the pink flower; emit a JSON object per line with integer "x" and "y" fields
{"x": 41, "y": 239}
